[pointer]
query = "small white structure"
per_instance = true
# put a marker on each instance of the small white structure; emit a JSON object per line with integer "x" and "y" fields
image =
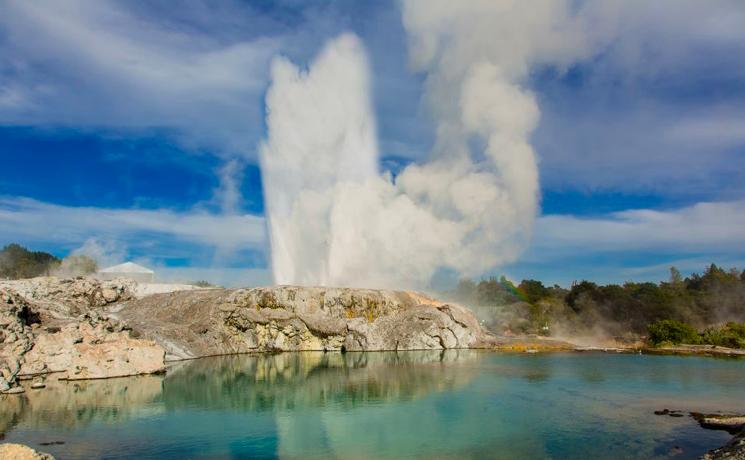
{"x": 127, "y": 270}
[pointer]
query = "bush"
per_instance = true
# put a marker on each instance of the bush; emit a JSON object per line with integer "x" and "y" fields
{"x": 673, "y": 332}
{"x": 732, "y": 335}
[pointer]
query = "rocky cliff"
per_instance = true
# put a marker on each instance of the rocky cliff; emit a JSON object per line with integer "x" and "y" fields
{"x": 85, "y": 329}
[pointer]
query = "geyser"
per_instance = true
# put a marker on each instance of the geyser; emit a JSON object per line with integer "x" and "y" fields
{"x": 334, "y": 220}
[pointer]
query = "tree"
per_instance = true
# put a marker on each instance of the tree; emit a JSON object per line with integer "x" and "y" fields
{"x": 534, "y": 290}
{"x": 584, "y": 287}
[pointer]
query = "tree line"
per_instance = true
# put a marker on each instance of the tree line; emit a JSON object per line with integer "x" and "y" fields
{"x": 700, "y": 302}
{"x": 17, "y": 262}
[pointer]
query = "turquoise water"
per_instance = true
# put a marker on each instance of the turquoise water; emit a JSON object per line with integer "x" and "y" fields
{"x": 456, "y": 404}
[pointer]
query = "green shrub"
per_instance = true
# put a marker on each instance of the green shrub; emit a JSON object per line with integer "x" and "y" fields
{"x": 731, "y": 335}
{"x": 675, "y": 332}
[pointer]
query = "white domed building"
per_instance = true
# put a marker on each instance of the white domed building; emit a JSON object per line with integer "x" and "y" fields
{"x": 129, "y": 270}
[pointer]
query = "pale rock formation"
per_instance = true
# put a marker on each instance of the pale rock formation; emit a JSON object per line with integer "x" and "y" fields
{"x": 10, "y": 451}
{"x": 49, "y": 325}
{"x": 64, "y": 298}
{"x": 85, "y": 328}
{"x": 288, "y": 318}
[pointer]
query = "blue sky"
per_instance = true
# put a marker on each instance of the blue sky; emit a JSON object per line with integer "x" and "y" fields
{"x": 131, "y": 131}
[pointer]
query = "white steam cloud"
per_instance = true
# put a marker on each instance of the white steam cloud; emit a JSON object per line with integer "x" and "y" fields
{"x": 334, "y": 220}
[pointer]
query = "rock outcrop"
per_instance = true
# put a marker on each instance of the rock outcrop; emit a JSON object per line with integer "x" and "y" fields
{"x": 732, "y": 423}
{"x": 57, "y": 298}
{"x": 85, "y": 329}
{"x": 733, "y": 450}
{"x": 20, "y": 452}
{"x": 55, "y": 326}
{"x": 287, "y": 318}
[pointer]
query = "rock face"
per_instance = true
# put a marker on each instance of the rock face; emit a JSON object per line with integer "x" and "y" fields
{"x": 84, "y": 351}
{"x": 286, "y": 318}
{"x": 49, "y": 325}
{"x": 20, "y": 452}
{"x": 87, "y": 329}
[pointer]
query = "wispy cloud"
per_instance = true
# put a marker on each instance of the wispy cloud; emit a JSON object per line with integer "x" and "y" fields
{"x": 636, "y": 244}
{"x": 30, "y": 220}
{"x": 703, "y": 226}
{"x": 104, "y": 64}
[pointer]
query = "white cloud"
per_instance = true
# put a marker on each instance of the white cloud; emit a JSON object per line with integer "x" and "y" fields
{"x": 658, "y": 109}
{"x": 634, "y": 245}
{"x": 709, "y": 131}
{"x": 31, "y": 220}
{"x": 100, "y": 64}
{"x": 699, "y": 228}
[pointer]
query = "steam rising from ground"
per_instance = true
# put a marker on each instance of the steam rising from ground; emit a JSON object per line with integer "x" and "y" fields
{"x": 334, "y": 220}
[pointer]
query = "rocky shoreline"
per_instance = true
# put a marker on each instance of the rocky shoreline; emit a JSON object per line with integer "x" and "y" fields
{"x": 82, "y": 328}
{"x": 79, "y": 329}
{"x": 732, "y": 423}
{"x": 20, "y": 452}
{"x": 75, "y": 329}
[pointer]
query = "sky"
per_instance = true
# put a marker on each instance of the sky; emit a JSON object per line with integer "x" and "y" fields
{"x": 132, "y": 131}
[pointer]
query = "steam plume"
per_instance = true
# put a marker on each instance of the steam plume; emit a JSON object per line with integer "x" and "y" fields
{"x": 335, "y": 221}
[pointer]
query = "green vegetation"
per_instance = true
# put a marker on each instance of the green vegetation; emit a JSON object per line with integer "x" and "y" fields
{"x": 669, "y": 311}
{"x": 202, "y": 284}
{"x": 17, "y": 262}
{"x": 731, "y": 335}
{"x": 669, "y": 331}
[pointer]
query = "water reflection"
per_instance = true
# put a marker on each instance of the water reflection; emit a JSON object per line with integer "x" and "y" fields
{"x": 68, "y": 405}
{"x": 280, "y": 382}
{"x": 456, "y": 404}
{"x": 292, "y": 381}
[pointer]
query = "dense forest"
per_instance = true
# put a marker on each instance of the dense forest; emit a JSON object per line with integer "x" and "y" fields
{"x": 17, "y": 262}
{"x": 709, "y": 308}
